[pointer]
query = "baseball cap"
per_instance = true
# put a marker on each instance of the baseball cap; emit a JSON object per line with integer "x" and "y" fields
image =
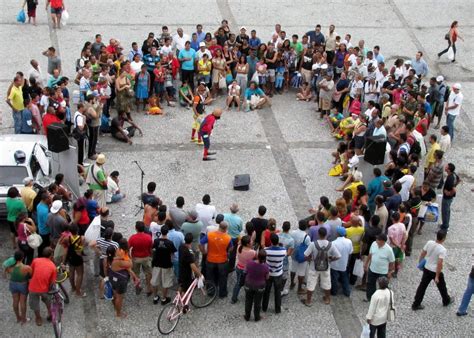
{"x": 202, "y": 44}
{"x": 439, "y": 78}
{"x": 457, "y": 86}
{"x": 407, "y": 62}
{"x": 243, "y": 27}
{"x": 57, "y": 205}
{"x": 341, "y": 231}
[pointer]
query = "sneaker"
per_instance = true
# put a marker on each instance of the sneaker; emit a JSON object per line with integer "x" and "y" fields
{"x": 194, "y": 139}
{"x": 213, "y": 153}
{"x": 201, "y": 143}
{"x": 284, "y": 293}
{"x": 460, "y": 314}
{"x": 208, "y": 159}
{"x": 165, "y": 301}
{"x": 416, "y": 308}
{"x": 451, "y": 301}
{"x": 233, "y": 301}
{"x": 156, "y": 299}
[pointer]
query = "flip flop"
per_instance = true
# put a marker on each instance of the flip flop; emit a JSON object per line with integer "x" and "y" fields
{"x": 39, "y": 322}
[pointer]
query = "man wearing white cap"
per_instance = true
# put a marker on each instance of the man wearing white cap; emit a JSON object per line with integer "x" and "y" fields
{"x": 242, "y": 36}
{"x": 453, "y": 108}
{"x": 28, "y": 194}
{"x": 97, "y": 180}
{"x": 203, "y": 50}
{"x": 55, "y": 221}
{"x": 406, "y": 69}
{"x": 440, "y": 98}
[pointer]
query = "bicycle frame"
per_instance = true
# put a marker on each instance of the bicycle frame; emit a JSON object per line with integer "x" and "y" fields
{"x": 182, "y": 301}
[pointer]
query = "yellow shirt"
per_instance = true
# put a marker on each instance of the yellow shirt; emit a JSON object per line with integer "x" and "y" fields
{"x": 353, "y": 187}
{"x": 16, "y": 98}
{"x": 204, "y": 68}
{"x": 28, "y": 195}
{"x": 430, "y": 158}
{"x": 355, "y": 235}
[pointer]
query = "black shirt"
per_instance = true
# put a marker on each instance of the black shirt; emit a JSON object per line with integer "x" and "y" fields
{"x": 370, "y": 235}
{"x": 104, "y": 224}
{"x": 186, "y": 258}
{"x": 115, "y": 126}
{"x": 163, "y": 248}
{"x": 449, "y": 185}
{"x": 260, "y": 225}
{"x": 429, "y": 196}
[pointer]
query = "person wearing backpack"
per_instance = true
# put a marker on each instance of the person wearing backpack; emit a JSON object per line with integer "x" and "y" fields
{"x": 319, "y": 253}
{"x": 298, "y": 260}
{"x": 449, "y": 192}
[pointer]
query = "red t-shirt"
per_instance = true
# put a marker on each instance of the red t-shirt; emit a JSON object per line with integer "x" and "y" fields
{"x": 208, "y": 124}
{"x": 140, "y": 245}
{"x": 47, "y": 120}
{"x": 43, "y": 276}
{"x": 419, "y": 126}
{"x": 56, "y": 3}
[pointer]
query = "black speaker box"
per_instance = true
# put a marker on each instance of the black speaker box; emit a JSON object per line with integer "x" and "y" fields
{"x": 242, "y": 182}
{"x": 375, "y": 150}
{"x": 58, "y": 140}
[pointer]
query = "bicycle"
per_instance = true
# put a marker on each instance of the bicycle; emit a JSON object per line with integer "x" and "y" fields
{"x": 200, "y": 298}
{"x": 57, "y": 308}
{"x": 61, "y": 276}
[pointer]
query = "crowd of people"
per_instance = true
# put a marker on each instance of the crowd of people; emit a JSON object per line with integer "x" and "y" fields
{"x": 360, "y": 238}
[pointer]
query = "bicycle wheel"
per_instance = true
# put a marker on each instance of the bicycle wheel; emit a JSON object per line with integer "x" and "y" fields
{"x": 58, "y": 329}
{"x": 204, "y": 296}
{"x": 64, "y": 293}
{"x": 168, "y": 319}
{"x": 56, "y": 314}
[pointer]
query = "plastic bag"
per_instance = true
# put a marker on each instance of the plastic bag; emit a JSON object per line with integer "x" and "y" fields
{"x": 108, "y": 291}
{"x": 21, "y": 17}
{"x": 358, "y": 268}
{"x": 65, "y": 15}
{"x": 93, "y": 231}
{"x": 200, "y": 282}
{"x": 432, "y": 213}
{"x": 34, "y": 240}
{"x": 450, "y": 54}
{"x": 365, "y": 331}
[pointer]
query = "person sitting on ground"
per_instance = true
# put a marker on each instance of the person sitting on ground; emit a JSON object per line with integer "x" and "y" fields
{"x": 304, "y": 93}
{"x": 113, "y": 190}
{"x": 119, "y": 132}
{"x": 255, "y": 98}
{"x": 154, "y": 107}
{"x": 233, "y": 96}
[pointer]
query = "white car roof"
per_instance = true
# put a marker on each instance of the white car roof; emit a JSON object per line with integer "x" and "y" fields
{"x": 11, "y": 143}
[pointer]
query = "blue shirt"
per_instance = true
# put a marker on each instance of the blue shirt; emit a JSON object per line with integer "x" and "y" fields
{"x": 42, "y": 211}
{"x": 132, "y": 54}
{"x": 91, "y": 208}
{"x": 254, "y": 43}
{"x": 200, "y": 36}
{"x": 252, "y": 65}
{"x": 375, "y": 188}
{"x": 195, "y": 45}
{"x": 249, "y": 92}
{"x": 177, "y": 238}
{"x": 420, "y": 67}
{"x": 379, "y": 57}
{"x": 191, "y": 53}
{"x": 26, "y": 121}
{"x": 235, "y": 225}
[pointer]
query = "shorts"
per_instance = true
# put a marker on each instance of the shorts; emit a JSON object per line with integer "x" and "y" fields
{"x": 324, "y": 278}
{"x": 32, "y": 13}
{"x": 34, "y": 300}
{"x": 56, "y": 11}
{"x": 12, "y": 227}
{"x": 19, "y": 287}
{"x": 359, "y": 142}
{"x": 271, "y": 74}
{"x": 299, "y": 268}
{"x": 398, "y": 253}
{"x": 142, "y": 264}
{"x": 162, "y": 277}
{"x": 119, "y": 285}
{"x": 324, "y": 104}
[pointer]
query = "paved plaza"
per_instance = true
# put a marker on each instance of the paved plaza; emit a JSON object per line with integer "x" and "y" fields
{"x": 285, "y": 149}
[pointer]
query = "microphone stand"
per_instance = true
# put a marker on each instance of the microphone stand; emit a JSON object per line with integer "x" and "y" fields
{"x": 141, "y": 206}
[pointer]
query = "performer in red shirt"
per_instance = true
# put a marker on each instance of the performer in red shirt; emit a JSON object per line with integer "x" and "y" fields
{"x": 205, "y": 132}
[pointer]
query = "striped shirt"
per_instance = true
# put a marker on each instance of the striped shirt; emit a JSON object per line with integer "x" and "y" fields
{"x": 103, "y": 244}
{"x": 275, "y": 258}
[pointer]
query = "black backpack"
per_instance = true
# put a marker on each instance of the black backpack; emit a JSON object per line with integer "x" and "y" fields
{"x": 321, "y": 263}
{"x": 447, "y": 93}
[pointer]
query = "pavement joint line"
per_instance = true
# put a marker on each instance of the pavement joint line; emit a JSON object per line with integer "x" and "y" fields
{"x": 226, "y": 12}
{"x": 434, "y": 65}
{"x": 89, "y": 305}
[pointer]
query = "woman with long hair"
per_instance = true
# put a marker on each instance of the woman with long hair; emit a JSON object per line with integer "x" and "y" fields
{"x": 452, "y": 36}
{"x": 245, "y": 254}
{"x": 255, "y": 281}
{"x": 19, "y": 274}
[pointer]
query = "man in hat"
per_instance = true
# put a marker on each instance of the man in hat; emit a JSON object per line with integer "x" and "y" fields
{"x": 205, "y": 131}
{"x": 28, "y": 194}
{"x": 242, "y": 36}
{"x": 56, "y": 222}
{"x": 96, "y": 179}
{"x": 193, "y": 226}
{"x": 453, "y": 108}
{"x": 441, "y": 86}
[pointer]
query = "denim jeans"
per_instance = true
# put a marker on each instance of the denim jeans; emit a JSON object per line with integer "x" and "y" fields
{"x": 238, "y": 276}
{"x": 116, "y": 198}
{"x": 343, "y": 277}
{"x": 17, "y": 121}
{"x": 450, "y": 123}
{"x": 467, "y": 296}
{"x": 446, "y": 212}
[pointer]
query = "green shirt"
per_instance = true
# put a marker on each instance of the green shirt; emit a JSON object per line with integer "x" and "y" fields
{"x": 15, "y": 206}
{"x": 195, "y": 230}
{"x": 100, "y": 177}
{"x": 298, "y": 47}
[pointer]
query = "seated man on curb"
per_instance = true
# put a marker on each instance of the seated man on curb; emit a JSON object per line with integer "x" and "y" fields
{"x": 255, "y": 98}
{"x": 119, "y": 132}
{"x": 113, "y": 190}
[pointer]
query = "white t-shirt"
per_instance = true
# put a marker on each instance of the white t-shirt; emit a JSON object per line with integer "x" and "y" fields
{"x": 165, "y": 50}
{"x": 200, "y": 54}
{"x": 371, "y": 91}
{"x": 344, "y": 246}
{"x": 355, "y": 86}
{"x": 44, "y": 102}
{"x": 136, "y": 66}
{"x": 206, "y": 213}
{"x": 445, "y": 142}
{"x": 112, "y": 189}
{"x": 455, "y": 99}
{"x": 434, "y": 251}
{"x": 79, "y": 119}
{"x": 234, "y": 91}
{"x": 299, "y": 236}
{"x": 406, "y": 182}
{"x": 155, "y": 230}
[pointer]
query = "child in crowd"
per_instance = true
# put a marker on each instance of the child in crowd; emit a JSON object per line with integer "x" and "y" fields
{"x": 305, "y": 93}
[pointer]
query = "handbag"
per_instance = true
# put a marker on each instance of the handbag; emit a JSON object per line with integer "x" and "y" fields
{"x": 446, "y": 36}
{"x": 34, "y": 240}
{"x": 391, "y": 309}
{"x": 21, "y": 17}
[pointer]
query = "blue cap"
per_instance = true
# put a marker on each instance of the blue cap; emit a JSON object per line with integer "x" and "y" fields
{"x": 341, "y": 231}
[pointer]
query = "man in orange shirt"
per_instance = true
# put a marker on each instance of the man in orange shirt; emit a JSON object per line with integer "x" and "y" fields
{"x": 42, "y": 278}
{"x": 219, "y": 245}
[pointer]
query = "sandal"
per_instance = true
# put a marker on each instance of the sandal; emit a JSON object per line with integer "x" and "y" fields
{"x": 39, "y": 321}
{"x": 306, "y": 304}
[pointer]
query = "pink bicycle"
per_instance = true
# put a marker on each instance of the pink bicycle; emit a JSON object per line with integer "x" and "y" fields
{"x": 198, "y": 296}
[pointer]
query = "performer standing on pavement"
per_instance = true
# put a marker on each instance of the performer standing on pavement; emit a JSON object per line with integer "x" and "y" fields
{"x": 205, "y": 132}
